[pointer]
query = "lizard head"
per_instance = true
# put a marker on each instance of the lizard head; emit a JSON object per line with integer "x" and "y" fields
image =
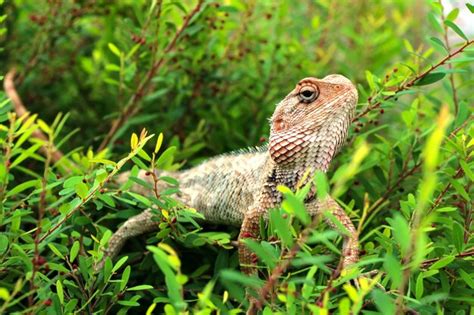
{"x": 312, "y": 121}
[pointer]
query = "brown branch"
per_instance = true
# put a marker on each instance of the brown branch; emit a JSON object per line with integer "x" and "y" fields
{"x": 443, "y": 192}
{"x": 20, "y": 109}
{"x": 415, "y": 168}
{"x": 36, "y": 261}
{"x": 450, "y": 66}
{"x": 429, "y": 262}
{"x": 412, "y": 82}
{"x": 143, "y": 88}
{"x": 279, "y": 269}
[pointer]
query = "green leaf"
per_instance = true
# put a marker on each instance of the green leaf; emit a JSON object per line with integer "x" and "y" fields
{"x": 293, "y": 205}
{"x": 345, "y": 306}
{"x": 23, "y": 186}
{"x": 165, "y": 157}
{"x": 401, "y": 232}
{"x": 419, "y": 286}
{"x": 60, "y": 291}
{"x": 447, "y": 209}
{"x": 434, "y": 22}
{"x": 453, "y": 14}
{"x": 159, "y": 141}
{"x": 470, "y": 7}
{"x": 114, "y": 49}
{"x": 119, "y": 264}
{"x": 133, "y": 51}
{"x": 281, "y": 226}
{"x": 467, "y": 170}
{"x": 55, "y": 250}
{"x": 74, "y": 251}
{"x": 3, "y": 243}
{"x": 129, "y": 303}
{"x": 172, "y": 285}
{"x": 455, "y": 28}
{"x": 237, "y": 277}
{"x": 4, "y": 294}
{"x": 370, "y": 80}
{"x": 442, "y": 263}
{"x": 458, "y": 237}
{"x": 150, "y": 309}
{"x": 460, "y": 189}
{"x": 322, "y": 186}
{"x": 467, "y": 278}
{"x": 125, "y": 277}
{"x": 81, "y": 190}
{"x": 266, "y": 253}
{"x": 141, "y": 287}
{"x": 72, "y": 181}
{"x": 430, "y": 78}
{"x": 144, "y": 155}
{"x": 141, "y": 198}
{"x": 139, "y": 163}
{"x": 394, "y": 269}
{"x": 384, "y": 302}
{"x": 438, "y": 43}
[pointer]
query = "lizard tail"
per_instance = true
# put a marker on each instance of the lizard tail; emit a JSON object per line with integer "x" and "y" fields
{"x": 137, "y": 225}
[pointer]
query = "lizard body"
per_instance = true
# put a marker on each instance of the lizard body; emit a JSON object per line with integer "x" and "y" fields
{"x": 308, "y": 128}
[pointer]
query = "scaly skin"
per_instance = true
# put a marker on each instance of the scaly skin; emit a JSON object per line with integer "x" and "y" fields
{"x": 308, "y": 128}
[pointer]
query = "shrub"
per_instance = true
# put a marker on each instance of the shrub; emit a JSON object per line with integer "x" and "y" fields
{"x": 200, "y": 76}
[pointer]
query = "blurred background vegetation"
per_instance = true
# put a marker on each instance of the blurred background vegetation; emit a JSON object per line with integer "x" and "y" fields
{"x": 207, "y": 75}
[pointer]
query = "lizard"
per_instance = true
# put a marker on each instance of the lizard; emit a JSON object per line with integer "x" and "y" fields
{"x": 307, "y": 129}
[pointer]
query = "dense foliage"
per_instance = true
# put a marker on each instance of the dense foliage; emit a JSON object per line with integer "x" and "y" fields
{"x": 202, "y": 76}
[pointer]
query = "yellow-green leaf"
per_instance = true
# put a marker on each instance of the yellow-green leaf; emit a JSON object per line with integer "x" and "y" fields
{"x": 114, "y": 49}
{"x": 159, "y": 141}
{"x": 134, "y": 141}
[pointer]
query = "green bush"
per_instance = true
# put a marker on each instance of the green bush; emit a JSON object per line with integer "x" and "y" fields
{"x": 203, "y": 77}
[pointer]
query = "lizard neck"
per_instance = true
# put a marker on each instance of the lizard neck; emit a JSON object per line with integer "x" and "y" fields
{"x": 321, "y": 147}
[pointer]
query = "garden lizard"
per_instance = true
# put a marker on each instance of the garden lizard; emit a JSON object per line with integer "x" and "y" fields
{"x": 308, "y": 127}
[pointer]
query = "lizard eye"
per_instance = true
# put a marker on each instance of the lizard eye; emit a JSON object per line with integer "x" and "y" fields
{"x": 308, "y": 93}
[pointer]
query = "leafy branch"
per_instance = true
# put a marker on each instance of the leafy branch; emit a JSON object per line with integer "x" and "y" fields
{"x": 92, "y": 192}
{"x": 414, "y": 81}
{"x": 145, "y": 85}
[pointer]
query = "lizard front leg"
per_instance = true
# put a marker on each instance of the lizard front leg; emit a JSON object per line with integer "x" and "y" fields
{"x": 249, "y": 230}
{"x": 350, "y": 247}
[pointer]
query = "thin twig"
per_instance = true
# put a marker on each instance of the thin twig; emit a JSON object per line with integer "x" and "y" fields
{"x": 415, "y": 168}
{"x": 429, "y": 262}
{"x": 283, "y": 266}
{"x": 443, "y": 192}
{"x": 412, "y": 82}
{"x": 143, "y": 88}
{"x": 92, "y": 192}
{"x": 450, "y": 66}
{"x": 41, "y": 211}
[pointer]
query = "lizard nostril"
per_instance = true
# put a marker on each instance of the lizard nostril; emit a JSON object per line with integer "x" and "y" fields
{"x": 279, "y": 124}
